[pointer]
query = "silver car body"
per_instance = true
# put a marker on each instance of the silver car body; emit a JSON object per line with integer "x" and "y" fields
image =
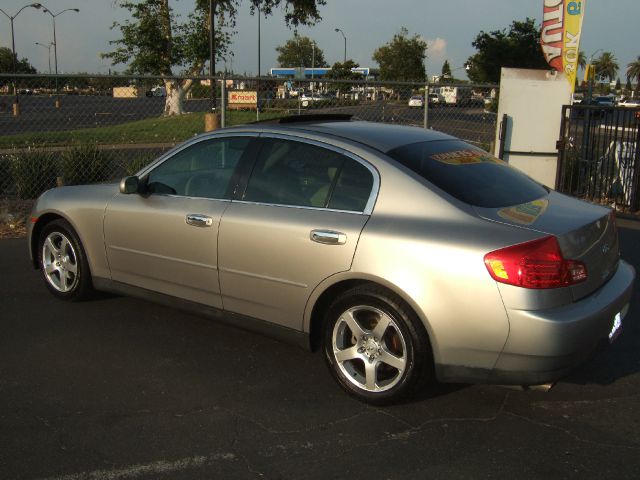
{"x": 259, "y": 264}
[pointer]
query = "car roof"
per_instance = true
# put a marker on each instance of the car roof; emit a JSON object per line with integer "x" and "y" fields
{"x": 380, "y": 136}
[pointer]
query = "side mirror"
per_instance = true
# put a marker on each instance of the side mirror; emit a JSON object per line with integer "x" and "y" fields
{"x": 129, "y": 185}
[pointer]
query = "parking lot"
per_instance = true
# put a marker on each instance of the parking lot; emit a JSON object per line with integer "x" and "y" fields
{"x": 82, "y": 111}
{"x": 118, "y": 388}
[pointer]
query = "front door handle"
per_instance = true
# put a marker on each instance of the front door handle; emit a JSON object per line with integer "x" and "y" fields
{"x": 198, "y": 220}
{"x": 328, "y": 237}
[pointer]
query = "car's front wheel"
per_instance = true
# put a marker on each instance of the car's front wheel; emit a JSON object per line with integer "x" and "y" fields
{"x": 63, "y": 262}
{"x": 375, "y": 346}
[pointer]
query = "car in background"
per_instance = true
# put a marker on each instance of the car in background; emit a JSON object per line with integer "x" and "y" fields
{"x": 388, "y": 248}
{"x": 416, "y": 101}
{"x": 307, "y": 99}
{"x": 435, "y": 99}
{"x": 157, "y": 91}
{"x": 629, "y": 103}
{"x": 603, "y": 101}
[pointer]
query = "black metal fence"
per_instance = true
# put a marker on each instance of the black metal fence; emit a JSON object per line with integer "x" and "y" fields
{"x": 599, "y": 155}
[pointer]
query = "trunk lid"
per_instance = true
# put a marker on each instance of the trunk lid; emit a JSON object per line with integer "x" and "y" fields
{"x": 585, "y": 232}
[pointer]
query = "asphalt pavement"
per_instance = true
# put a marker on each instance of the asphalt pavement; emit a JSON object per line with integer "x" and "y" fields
{"x": 119, "y": 388}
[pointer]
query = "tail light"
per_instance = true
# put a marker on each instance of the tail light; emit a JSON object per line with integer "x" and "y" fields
{"x": 535, "y": 264}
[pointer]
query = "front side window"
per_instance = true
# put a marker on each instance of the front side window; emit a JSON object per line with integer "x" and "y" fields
{"x": 300, "y": 174}
{"x": 203, "y": 169}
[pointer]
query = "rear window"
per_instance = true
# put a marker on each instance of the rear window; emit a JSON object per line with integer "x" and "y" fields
{"x": 468, "y": 173}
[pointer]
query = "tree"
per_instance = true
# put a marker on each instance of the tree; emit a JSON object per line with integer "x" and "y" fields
{"x": 6, "y": 65}
{"x": 633, "y": 72}
{"x": 402, "y": 59}
{"x": 606, "y": 66}
{"x": 519, "y": 47}
{"x": 299, "y": 52}
{"x": 155, "y": 42}
{"x": 582, "y": 60}
{"x": 446, "y": 69}
{"x": 6, "y": 62}
{"x": 446, "y": 76}
{"x": 342, "y": 71}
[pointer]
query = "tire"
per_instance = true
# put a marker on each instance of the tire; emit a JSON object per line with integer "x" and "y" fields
{"x": 63, "y": 262}
{"x": 378, "y": 363}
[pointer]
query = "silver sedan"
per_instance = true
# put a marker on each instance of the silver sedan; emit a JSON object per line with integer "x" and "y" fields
{"x": 403, "y": 254}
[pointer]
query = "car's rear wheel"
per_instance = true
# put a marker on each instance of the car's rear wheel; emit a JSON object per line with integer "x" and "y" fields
{"x": 375, "y": 346}
{"x": 63, "y": 262}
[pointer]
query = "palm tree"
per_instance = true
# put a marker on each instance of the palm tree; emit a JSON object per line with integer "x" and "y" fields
{"x": 606, "y": 66}
{"x": 582, "y": 60}
{"x": 633, "y": 72}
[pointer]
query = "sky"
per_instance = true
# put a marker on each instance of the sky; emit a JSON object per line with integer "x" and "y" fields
{"x": 448, "y": 26}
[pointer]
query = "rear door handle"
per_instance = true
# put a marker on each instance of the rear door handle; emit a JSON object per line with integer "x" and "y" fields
{"x": 198, "y": 220}
{"x": 328, "y": 237}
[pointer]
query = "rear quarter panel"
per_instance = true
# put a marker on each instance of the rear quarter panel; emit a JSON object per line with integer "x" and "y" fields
{"x": 431, "y": 250}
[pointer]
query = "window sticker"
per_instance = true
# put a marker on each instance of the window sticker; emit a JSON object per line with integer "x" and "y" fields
{"x": 465, "y": 157}
{"x": 526, "y": 213}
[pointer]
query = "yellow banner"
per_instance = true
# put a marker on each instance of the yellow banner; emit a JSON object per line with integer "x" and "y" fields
{"x": 560, "y": 39}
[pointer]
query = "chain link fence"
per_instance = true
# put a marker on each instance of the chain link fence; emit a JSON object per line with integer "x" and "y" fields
{"x": 79, "y": 129}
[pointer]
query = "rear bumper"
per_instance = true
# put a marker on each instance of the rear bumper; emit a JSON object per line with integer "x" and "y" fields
{"x": 544, "y": 345}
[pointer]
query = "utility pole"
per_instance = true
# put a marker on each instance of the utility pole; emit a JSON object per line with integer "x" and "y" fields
{"x": 212, "y": 119}
{"x": 212, "y": 54}
{"x": 259, "y": 70}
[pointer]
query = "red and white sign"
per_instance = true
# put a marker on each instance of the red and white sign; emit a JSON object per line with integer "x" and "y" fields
{"x": 243, "y": 97}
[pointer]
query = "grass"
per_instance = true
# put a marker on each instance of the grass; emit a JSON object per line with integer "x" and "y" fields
{"x": 151, "y": 130}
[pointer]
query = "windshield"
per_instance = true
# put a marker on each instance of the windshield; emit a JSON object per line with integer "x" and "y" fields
{"x": 469, "y": 173}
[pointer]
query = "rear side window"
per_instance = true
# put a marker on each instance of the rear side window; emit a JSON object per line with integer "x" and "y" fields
{"x": 353, "y": 187}
{"x": 300, "y": 174}
{"x": 469, "y": 173}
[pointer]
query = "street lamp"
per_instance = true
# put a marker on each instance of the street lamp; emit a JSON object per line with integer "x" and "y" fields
{"x": 48, "y": 47}
{"x": 345, "y": 43}
{"x": 313, "y": 66}
{"x": 466, "y": 66}
{"x": 55, "y": 42}
{"x": 16, "y": 107}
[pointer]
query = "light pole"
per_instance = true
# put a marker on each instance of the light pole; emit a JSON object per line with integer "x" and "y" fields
{"x": 48, "y": 47}
{"x": 313, "y": 66}
{"x": 55, "y": 42}
{"x": 466, "y": 66}
{"x": 345, "y": 43}
{"x": 16, "y": 106}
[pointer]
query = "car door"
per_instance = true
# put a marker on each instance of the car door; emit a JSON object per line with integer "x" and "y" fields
{"x": 296, "y": 222}
{"x": 165, "y": 239}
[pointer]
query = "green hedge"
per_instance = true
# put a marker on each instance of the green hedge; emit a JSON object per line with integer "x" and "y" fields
{"x": 33, "y": 172}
